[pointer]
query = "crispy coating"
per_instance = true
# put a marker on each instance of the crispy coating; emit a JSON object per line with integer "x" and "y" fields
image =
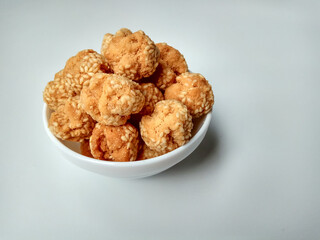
{"x": 133, "y": 55}
{"x": 108, "y": 36}
{"x": 171, "y": 64}
{"x": 172, "y": 58}
{"x": 85, "y": 148}
{"x": 80, "y": 68}
{"x": 193, "y": 90}
{"x": 168, "y": 127}
{"x": 70, "y": 122}
{"x": 105, "y": 43}
{"x": 77, "y": 73}
{"x": 121, "y": 96}
{"x": 122, "y": 32}
{"x": 112, "y": 143}
{"x": 57, "y": 92}
{"x": 152, "y": 95}
{"x": 111, "y": 99}
{"x": 147, "y": 153}
{"x": 163, "y": 77}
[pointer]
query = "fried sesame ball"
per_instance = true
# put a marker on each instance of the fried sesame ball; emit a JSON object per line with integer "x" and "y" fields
{"x": 168, "y": 127}
{"x": 85, "y": 148}
{"x": 70, "y": 122}
{"x": 108, "y": 36}
{"x": 121, "y": 96}
{"x": 57, "y": 92}
{"x": 77, "y": 73}
{"x": 193, "y": 90}
{"x": 111, "y": 99}
{"x": 80, "y": 68}
{"x": 131, "y": 55}
{"x": 147, "y": 153}
{"x": 172, "y": 58}
{"x": 113, "y": 143}
{"x": 171, "y": 64}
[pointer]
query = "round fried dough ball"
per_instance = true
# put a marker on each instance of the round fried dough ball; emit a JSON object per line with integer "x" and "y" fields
{"x": 80, "y": 68}
{"x": 132, "y": 55}
{"x": 90, "y": 97}
{"x": 70, "y": 122}
{"x": 112, "y": 143}
{"x": 168, "y": 127}
{"x": 171, "y": 64}
{"x": 69, "y": 81}
{"x": 111, "y": 99}
{"x": 193, "y": 90}
{"x": 108, "y": 36}
{"x": 57, "y": 92}
{"x": 120, "y": 96}
{"x": 172, "y": 58}
{"x": 147, "y": 153}
{"x": 85, "y": 148}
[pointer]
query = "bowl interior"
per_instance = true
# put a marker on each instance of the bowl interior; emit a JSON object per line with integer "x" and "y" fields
{"x": 75, "y": 146}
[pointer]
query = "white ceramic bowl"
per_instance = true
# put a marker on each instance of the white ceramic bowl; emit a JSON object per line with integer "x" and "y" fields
{"x": 138, "y": 169}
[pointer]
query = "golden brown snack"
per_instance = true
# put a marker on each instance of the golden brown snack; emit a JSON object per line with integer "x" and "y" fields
{"x": 85, "y": 148}
{"x": 57, "y": 92}
{"x": 171, "y": 64}
{"x": 172, "y": 58}
{"x": 111, "y": 99}
{"x": 77, "y": 73}
{"x": 193, "y": 90}
{"x": 168, "y": 127}
{"x": 70, "y": 122}
{"x": 131, "y": 55}
{"x": 112, "y": 143}
{"x": 108, "y": 36}
{"x": 147, "y": 153}
{"x": 80, "y": 68}
{"x": 121, "y": 96}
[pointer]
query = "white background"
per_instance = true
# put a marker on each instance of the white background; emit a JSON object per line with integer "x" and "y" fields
{"x": 255, "y": 176}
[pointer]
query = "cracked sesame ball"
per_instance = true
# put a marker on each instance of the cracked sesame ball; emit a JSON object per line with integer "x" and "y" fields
{"x": 171, "y": 64}
{"x": 133, "y": 55}
{"x": 111, "y": 99}
{"x": 168, "y": 127}
{"x": 113, "y": 143}
{"x": 70, "y": 122}
{"x": 193, "y": 90}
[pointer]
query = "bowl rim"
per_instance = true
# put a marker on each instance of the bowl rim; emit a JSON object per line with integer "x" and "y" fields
{"x": 149, "y": 161}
